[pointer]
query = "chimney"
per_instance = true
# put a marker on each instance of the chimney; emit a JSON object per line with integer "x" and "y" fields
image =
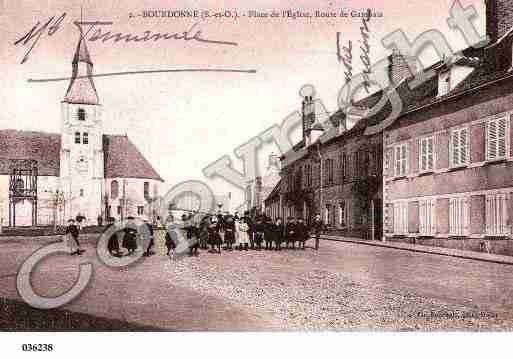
{"x": 499, "y": 18}
{"x": 398, "y": 68}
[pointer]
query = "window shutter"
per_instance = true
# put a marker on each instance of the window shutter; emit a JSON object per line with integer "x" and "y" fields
{"x": 430, "y": 153}
{"x": 405, "y": 218}
{"x": 455, "y": 148}
{"x": 421, "y": 217}
{"x": 488, "y": 214}
{"x": 465, "y": 216}
{"x": 451, "y": 216}
{"x": 422, "y": 155}
{"x": 432, "y": 214}
{"x": 403, "y": 160}
{"x": 463, "y": 146}
{"x": 344, "y": 166}
{"x": 501, "y": 137}
{"x": 492, "y": 140}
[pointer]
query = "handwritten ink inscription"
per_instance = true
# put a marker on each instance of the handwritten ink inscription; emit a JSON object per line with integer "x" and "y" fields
{"x": 32, "y": 37}
{"x": 345, "y": 53}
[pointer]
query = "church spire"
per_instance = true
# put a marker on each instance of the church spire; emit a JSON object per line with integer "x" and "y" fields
{"x": 81, "y": 88}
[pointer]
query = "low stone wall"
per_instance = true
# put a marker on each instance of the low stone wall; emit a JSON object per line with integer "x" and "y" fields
{"x": 502, "y": 246}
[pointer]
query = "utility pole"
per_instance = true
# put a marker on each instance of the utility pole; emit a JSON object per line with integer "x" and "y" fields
{"x": 321, "y": 211}
{"x": 123, "y": 204}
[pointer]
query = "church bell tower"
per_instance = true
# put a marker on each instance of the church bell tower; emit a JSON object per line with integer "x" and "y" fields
{"x": 81, "y": 162}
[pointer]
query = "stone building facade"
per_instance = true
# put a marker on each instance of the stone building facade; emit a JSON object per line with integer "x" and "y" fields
{"x": 448, "y": 173}
{"x": 338, "y": 177}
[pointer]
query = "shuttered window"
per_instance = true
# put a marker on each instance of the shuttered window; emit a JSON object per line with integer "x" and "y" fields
{"x": 400, "y": 218}
{"x": 344, "y": 167}
{"x": 496, "y": 215}
{"x": 426, "y": 153}
{"x": 427, "y": 217}
{"x": 400, "y": 160}
{"x": 459, "y": 147}
{"x": 496, "y": 139}
{"x": 459, "y": 216}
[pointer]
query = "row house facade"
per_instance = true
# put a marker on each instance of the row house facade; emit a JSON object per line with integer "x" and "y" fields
{"x": 448, "y": 162}
{"x": 444, "y": 166}
{"x": 448, "y": 170}
{"x": 339, "y": 178}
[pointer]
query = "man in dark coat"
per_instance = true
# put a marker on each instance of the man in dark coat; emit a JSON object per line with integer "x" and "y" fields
{"x": 279, "y": 231}
{"x": 318, "y": 227}
{"x": 229, "y": 231}
{"x": 251, "y": 229}
{"x": 113, "y": 242}
{"x": 130, "y": 237}
{"x": 259, "y": 232}
{"x": 149, "y": 231}
{"x": 302, "y": 233}
{"x": 214, "y": 236}
{"x": 72, "y": 231}
{"x": 203, "y": 232}
{"x": 269, "y": 233}
{"x": 291, "y": 232}
{"x": 170, "y": 244}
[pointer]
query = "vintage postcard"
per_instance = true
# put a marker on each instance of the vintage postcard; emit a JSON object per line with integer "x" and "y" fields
{"x": 272, "y": 167}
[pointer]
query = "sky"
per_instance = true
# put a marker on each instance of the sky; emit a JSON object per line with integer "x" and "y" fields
{"x": 182, "y": 122}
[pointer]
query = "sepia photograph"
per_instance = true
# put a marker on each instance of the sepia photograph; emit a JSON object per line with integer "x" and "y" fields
{"x": 270, "y": 178}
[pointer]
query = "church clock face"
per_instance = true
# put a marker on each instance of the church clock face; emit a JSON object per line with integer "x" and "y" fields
{"x": 82, "y": 165}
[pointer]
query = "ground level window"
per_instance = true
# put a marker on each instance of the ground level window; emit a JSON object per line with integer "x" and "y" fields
{"x": 400, "y": 218}
{"x": 459, "y": 216}
{"x": 496, "y": 215}
{"x": 427, "y": 217}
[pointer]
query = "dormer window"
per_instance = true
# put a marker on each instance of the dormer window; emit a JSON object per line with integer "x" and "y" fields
{"x": 81, "y": 114}
{"x": 444, "y": 82}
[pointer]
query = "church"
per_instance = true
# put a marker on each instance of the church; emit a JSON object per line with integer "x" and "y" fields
{"x": 48, "y": 178}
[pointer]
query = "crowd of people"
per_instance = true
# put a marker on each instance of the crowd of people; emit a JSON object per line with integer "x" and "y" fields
{"x": 217, "y": 232}
{"x": 212, "y": 232}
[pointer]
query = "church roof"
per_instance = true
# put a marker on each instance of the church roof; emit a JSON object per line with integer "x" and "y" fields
{"x": 40, "y": 146}
{"x": 81, "y": 87}
{"x": 81, "y": 52}
{"x": 121, "y": 156}
{"x": 123, "y": 159}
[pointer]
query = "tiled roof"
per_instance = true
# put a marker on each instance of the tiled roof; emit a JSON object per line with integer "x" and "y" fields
{"x": 81, "y": 87}
{"x": 40, "y": 146}
{"x": 122, "y": 158}
{"x": 490, "y": 64}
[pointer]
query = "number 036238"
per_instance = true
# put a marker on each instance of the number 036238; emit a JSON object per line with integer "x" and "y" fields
{"x": 37, "y": 347}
